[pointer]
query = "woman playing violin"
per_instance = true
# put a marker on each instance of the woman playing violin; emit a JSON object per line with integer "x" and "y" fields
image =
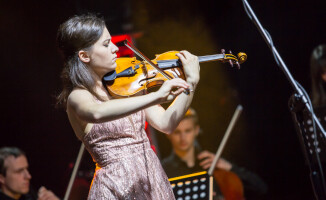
{"x": 112, "y": 130}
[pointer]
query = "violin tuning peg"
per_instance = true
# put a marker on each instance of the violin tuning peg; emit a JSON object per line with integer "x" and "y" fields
{"x": 231, "y": 63}
{"x": 238, "y": 65}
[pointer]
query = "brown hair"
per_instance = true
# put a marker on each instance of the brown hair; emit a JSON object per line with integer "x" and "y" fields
{"x": 191, "y": 113}
{"x": 317, "y": 68}
{"x": 5, "y": 152}
{"x": 75, "y": 34}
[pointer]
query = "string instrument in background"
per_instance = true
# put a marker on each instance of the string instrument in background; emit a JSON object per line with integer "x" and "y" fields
{"x": 133, "y": 77}
{"x": 230, "y": 184}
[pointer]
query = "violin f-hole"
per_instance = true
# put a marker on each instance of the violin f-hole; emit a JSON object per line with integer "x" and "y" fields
{"x": 147, "y": 77}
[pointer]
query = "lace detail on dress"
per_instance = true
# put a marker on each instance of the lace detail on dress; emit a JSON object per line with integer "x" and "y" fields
{"x": 127, "y": 166}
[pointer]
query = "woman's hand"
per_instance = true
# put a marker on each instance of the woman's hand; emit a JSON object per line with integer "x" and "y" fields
{"x": 167, "y": 120}
{"x": 171, "y": 89}
{"x": 191, "y": 67}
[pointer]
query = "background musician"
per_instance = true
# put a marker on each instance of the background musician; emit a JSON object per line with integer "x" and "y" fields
{"x": 318, "y": 75}
{"x": 15, "y": 177}
{"x": 188, "y": 157}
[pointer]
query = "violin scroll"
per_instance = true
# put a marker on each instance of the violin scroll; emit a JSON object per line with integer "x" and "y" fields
{"x": 232, "y": 59}
{"x": 242, "y": 57}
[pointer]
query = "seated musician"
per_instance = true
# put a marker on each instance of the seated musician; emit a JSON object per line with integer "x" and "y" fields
{"x": 15, "y": 177}
{"x": 318, "y": 75}
{"x": 187, "y": 157}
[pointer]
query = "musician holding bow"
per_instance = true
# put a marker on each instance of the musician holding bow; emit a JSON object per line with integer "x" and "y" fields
{"x": 187, "y": 157}
{"x": 112, "y": 130}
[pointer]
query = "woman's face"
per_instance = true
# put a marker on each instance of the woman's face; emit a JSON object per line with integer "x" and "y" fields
{"x": 103, "y": 55}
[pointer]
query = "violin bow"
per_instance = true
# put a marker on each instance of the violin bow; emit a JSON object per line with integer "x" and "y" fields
{"x": 225, "y": 138}
{"x": 140, "y": 54}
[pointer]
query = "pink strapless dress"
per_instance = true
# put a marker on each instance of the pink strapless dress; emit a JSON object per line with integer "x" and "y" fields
{"x": 127, "y": 167}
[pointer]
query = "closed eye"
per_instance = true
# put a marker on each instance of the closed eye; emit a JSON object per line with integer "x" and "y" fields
{"x": 107, "y": 42}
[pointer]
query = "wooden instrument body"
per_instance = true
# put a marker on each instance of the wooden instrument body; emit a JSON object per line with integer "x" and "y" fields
{"x": 144, "y": 78}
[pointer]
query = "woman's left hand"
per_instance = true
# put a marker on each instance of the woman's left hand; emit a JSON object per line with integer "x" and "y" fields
{"x": 191, "y": 66}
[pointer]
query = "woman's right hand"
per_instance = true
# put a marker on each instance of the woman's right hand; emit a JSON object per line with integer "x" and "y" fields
{"x": 171, "y": 89}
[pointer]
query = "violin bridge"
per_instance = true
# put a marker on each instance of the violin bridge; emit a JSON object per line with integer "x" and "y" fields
{"x": 144, "y": 69}
{"x": 145, "y": 72}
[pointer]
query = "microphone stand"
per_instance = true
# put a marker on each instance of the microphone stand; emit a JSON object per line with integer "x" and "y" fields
{"x": 300, "y": 105}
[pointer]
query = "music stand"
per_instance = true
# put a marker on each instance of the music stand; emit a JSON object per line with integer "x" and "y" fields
{"x": 300, "y": 105}
{"x": 310, "y": 144}
{"x": 315, "y": 143}
{"x": 193, "y": 186}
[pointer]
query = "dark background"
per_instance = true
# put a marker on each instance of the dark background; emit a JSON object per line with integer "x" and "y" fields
{"x": 264, "y": 140}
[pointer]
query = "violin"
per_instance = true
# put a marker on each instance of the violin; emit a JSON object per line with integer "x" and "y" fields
{"x": 133, "y": 77}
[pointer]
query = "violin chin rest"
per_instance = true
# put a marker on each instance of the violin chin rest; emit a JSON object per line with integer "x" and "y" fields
{"x": 110, "y": 76}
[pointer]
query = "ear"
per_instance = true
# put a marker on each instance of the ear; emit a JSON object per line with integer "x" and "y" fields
{"x": 83, "y": 56}
{"x": 197, "y": 128}
{"x": 2, "y": 179}
{"x": 323, "y": 76}
{"x": 168, "y": 136}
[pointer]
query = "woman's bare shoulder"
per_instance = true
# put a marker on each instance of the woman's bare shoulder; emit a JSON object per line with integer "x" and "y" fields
{"x": 79, "y": 95}
{"x": 77, "y": 92}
